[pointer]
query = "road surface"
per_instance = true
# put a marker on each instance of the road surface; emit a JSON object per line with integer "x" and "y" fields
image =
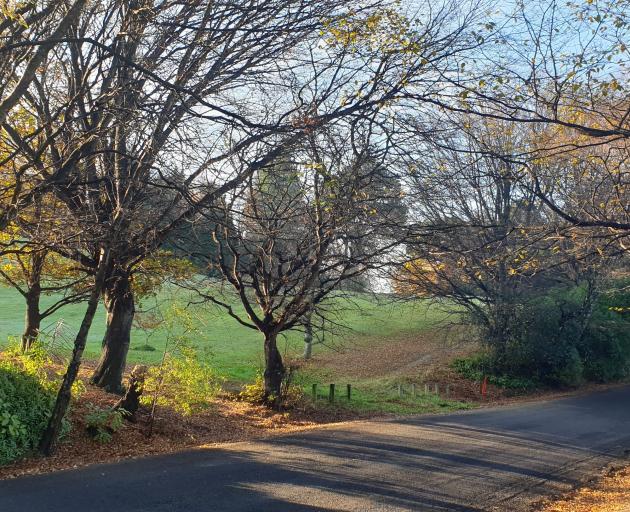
{"x": 502, "y": 459}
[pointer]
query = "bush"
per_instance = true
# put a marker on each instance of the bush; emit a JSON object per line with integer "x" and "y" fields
{"x": 547, "y": 350}
{"x": 290, "y": 391}
{"x": 568, "y": 370}
{"x": 182, "y": 382}
{"x": 481, "y": 365}
{"x": 561, "y": 340}
{"x": 606, "y": 346}
{"x": 474, "y": 367}
{"x": 103, "y": 423}
{"x": 27, "y": 397}
{"x": 254, "y": 393}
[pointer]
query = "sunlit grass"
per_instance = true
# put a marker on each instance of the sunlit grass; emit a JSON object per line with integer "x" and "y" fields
{"x": 235, "y": 350}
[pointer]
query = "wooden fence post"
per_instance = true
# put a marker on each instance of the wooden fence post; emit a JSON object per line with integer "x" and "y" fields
{"x": 331, "y": 394}
{"x": 314, "y": 392}
{"x": 349, "y": 391}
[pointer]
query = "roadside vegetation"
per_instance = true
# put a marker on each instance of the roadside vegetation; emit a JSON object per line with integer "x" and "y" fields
{"x": 555, "y": 343}
{"x": 212, "y": 212}
{"x": 27, "y": 398}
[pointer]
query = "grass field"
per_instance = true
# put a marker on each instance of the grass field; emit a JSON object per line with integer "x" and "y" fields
{"x": 233, "y": 349}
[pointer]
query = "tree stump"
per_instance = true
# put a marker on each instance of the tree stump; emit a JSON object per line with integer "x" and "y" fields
{"x": 130, "y": 401}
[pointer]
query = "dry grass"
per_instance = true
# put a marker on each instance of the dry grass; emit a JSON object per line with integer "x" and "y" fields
{"x": 424, "y": 358}
{"x": 610, "y": 494}
{"x": 415, "y": 354}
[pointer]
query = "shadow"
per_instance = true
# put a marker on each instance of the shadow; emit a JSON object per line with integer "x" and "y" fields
{"x": 214, "y": 480}
{"x": 416, "y": 459}
{"x": 469, "y": 462}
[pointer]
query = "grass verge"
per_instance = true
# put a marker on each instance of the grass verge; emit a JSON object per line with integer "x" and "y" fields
{"x": 376, "y": 396}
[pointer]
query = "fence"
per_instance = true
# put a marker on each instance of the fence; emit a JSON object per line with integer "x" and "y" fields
{"x": 411, "y": 390}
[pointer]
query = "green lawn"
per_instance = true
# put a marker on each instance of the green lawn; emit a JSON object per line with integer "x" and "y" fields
{"x": 233, "y": 349}
{"x": 378, "y": 395}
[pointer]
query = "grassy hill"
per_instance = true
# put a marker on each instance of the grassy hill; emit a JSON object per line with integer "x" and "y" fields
{"x": 233, "y": 349}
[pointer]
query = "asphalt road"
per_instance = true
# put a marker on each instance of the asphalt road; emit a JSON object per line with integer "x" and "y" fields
{"x": 502, "y": 459}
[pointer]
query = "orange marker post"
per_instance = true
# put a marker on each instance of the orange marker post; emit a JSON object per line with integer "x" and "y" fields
{"x": 484, "y": 387}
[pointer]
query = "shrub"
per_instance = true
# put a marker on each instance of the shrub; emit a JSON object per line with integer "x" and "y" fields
{"x": 561, "y": 339}
{"x": 28, "y": 390}
{"x": 568, "y": 370}
{"x": 254, "y": 393}
{"x": 550, "y": 327}
{"x": 181, "y": 382}
{"x": 26, "y": 402}
{"x": 472, "y": 367}
{"x": 290, "y": 391}
{"x": 481, "y": 365}
{"x": 103, "y": 423}
{"x": 605, "y": 349}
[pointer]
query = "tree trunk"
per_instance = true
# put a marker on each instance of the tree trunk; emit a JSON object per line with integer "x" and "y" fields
{"x": 119, "y": 303}
{"x": 274, "y": 370}
{"x": 130, "y": 403}
{"x": 32, "y": 319}
{"x": 50, "y": 435}
{"x": 308, "y": 336}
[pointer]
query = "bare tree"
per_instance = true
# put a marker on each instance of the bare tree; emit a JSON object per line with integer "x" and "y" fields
{"x": 34, "y": 270}
{"x": 484, "y": 239}
{"x": 141, "y": 92}
{"x": 561, "y": 66}
{"x": 285, "y": 239}
{"x": 28, "y": 32}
